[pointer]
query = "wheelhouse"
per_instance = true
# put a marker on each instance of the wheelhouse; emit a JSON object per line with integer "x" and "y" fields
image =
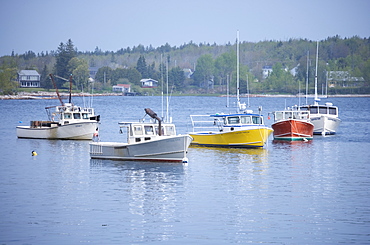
{"x": 139, "y": 132}
{"x": 327, "y": 109}
{"x": 285, "y": 115}
{"x": 241, "y": 119}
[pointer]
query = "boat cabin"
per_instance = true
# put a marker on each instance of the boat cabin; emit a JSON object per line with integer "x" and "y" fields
{"x": 285, "y": 115}
{"x": 240, "y": 119}
{"x": 140, "y": 132}
{"x": 69, "y": 113}
{"x": 327, "y": 109}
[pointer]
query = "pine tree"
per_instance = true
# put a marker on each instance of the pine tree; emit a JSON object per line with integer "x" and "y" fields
{"x": 142, "y": 67}
{"x": 65, "y": 53}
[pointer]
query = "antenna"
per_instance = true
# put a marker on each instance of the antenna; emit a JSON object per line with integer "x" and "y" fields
{"x": 317, "y": 61}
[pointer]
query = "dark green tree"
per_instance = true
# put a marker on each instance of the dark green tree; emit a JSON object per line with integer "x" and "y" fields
{"x": 142, "y": 67}
{"x": 204, "y": 69}
{"x": 104, "y": 74}
{"x": 8, "y": 76}
{"x": 64, "y": 54}
{"x": 45, "y": 81}
{"x": 176, "y": 77}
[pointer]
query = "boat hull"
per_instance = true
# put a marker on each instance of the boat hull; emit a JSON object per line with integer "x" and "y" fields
{"x": 75, "y": 131}
{"x": 325, "y": 125}
{"x": 173, "y": 148}
{"x": 247, "y": 138}
{"x": 292, "y": 130}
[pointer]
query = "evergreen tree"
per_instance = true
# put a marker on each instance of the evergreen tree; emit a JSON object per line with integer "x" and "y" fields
{"x": 45, "y": 81}
{"x": 64, "y": 54}
{"x": 142, "y": 67}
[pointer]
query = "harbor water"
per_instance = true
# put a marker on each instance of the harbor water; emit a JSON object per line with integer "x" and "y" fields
{"x": 315, "y": 192}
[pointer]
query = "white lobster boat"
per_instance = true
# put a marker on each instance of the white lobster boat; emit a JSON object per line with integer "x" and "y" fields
{"x": 68, "y": 121}
{"x": 145, "y": 142}
{"x": 324, "y": 117}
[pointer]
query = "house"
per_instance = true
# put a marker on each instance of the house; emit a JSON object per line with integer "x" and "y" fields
{"x": 343, "y": 79}
{"x": 266, "y": 71}
{"x": 93, "y": 71}
{"x": 29, "y": 79}
{"x": 149, "y": 83}
{"x": 187, "y": 72}
{"x": 124, "y": 88}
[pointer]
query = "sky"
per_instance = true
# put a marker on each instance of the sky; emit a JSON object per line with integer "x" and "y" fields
{"x": 41, "y": 25}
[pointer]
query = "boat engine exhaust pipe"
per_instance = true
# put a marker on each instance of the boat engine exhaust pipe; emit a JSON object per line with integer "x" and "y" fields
{"x": 154, "y": 115}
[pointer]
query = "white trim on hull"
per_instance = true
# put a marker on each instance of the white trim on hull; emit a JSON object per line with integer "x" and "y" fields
{"x": 76, "y": 131}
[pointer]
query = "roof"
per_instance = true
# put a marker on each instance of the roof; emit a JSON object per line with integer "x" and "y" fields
{"x": 147, "y": 80}
{"x": 123, "y": 85}
{"x": 29, "y": 73}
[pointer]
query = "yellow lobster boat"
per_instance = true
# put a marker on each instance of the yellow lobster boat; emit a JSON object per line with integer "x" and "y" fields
{"x": 243, "y": 129}
{"x": 230, "y": 130}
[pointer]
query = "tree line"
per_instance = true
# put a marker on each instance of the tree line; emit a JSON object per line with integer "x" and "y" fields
{"x": 214, "y": 66}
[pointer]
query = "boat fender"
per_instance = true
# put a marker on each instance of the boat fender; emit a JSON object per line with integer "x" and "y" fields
{"x": 34, "y": 153}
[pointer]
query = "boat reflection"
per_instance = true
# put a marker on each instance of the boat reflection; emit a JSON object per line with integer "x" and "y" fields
{"x": 257, "y": 156}
{"x": 148, "y": 189}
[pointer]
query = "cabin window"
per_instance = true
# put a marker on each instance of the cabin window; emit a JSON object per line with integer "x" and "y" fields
{"x": 256, "y": 120}
{"x": 67, "y": 116}
{"x": 85, "y": 116}
{"x": 314, "y": 110}
{"x": 149, "y": 130}
{"x": 170, "y": 130}
{"x": 279, "y": 115}
{"x": 323, "y": 110}
{"x": 304, "y": 115}
{"x": 233, "y": 120}
{"x": 246, "y": 120}
{"x": 138, "y": 130}
{"x": 288, "y": 115}
{"x": 333, "y": 111}
{"x": 157, "y": 132}
{"x": 76, "y": 115}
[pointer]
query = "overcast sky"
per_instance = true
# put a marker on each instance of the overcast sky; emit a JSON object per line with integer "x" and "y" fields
{"x": 41, "y": 25}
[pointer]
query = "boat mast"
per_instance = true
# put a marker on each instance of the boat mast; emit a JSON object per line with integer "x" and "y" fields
{"x": 237, "y": 69}
{"x": 308, "y": 54}
{"x": 167, "y": 115}
{"x": 162, "y": 66}
{"x": 317, "y": 60}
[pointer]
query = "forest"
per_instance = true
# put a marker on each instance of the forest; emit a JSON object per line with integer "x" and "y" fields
{"x": 204, "y": 68}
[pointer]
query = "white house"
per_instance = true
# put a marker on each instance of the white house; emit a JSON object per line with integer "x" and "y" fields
{"x": 266, "y": 71}
{"x": 149, "y": 83}
{"x": 29, "y": 79}
{"x": 124, "y": 88}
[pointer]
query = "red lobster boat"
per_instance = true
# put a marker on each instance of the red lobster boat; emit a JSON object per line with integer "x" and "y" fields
{"x": 292, "y": 125}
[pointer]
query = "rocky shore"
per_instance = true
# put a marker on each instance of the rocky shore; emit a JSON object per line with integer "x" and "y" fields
{"x": 52, "y": 95}
{"x": 49, "y": 95}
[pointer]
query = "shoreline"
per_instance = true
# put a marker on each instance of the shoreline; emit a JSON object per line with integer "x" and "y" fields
{"x": 52, "y": 95}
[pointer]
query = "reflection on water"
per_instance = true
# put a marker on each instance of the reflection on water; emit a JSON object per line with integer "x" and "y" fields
{"x": 149, "y": 190}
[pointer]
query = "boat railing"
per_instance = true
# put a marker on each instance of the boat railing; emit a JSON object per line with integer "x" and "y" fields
{"x": 204, "y": 122}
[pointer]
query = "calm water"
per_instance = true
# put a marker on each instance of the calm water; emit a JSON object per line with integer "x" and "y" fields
{"x": 287, "y": 193}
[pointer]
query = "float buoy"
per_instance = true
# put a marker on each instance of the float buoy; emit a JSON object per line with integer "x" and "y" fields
{"x": 34, "y": 153}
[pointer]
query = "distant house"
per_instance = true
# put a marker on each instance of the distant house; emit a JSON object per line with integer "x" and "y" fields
{"x": 93, "y": 71}
{"x": 343, "y": 79}
{"x": 187, "y": 72}
{"x": 124, "y": 88}
{"x": 149, "y": 83}
{"x": 29, "y": 79}
{"x": 266, "y": 71}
